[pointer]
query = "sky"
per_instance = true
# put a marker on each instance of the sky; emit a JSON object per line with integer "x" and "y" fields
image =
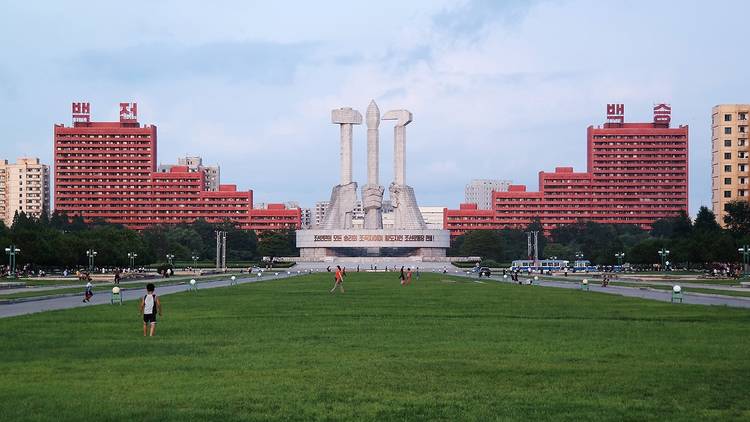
{"x": 498, "y": 90}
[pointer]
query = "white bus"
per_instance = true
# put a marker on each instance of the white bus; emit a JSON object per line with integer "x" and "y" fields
{"x": 544, "y": 265}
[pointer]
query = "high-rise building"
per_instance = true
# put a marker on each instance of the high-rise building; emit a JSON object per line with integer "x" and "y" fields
{"x": 212, "y": 173}
{"x": 637, "y": 173}
{"x": 306, "y": 218}
{"x": 108, "y": 170}
{"x": 479, "y": 191}
{"x": 319, "y": 213}
{"x": 730, "y": 156}
{"x": 24, "y": 187}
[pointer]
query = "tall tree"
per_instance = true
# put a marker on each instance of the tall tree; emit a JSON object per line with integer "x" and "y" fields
{"x": 737, "y": 217}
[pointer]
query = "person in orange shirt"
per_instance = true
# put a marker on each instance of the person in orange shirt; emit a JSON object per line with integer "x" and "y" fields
{"x": 408, "y": 276}
{"x": 338, "y": 280}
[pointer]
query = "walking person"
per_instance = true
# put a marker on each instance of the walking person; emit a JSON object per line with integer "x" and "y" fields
{"x": 418, "y": 273}
{"x": 408, "y": 276}
{"x": 338, "y": 280}
{"x": 402, "y": 276}
{"x": 150, "y": 305}
{"x": 89, "y": 292}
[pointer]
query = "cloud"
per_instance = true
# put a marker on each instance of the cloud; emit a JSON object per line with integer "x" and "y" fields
{"x": 498, "y": 89}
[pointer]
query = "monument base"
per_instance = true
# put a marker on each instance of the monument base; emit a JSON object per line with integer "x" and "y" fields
{"x": 317, "y": 245}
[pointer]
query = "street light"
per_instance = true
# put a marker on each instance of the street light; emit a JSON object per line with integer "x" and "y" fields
{"x": 663, "y": 253}
{"x": 195, "y": 260}
{"x": 745, "y": 251}
{"x": 132, "y": 256}
{"x": 619, "y": 256}
{"x": 12, "y": 251}
{"x": 169, "y": 258}
{"x": 91, "y": 254}
{"x": 579, "y": 255}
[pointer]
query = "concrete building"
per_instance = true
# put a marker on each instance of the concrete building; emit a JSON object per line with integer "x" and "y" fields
{"x": 306, "y": 218}
{"x": 24, "y": 187}
{"x": 108, "y": 170}
{"x": 730, "y": 156}
{"x": 212, "y": 173}
{"x": 637, "y": 173}
{"x": 433, "y": 217}
{"x": 479, "y": 191}
{"x": 319, "y": 213}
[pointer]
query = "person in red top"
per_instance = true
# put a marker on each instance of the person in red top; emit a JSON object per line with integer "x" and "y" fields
{"x": 408, "y": 276}
{"x": 338, "y": 280}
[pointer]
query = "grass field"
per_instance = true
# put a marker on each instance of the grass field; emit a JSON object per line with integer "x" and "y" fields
{"x": 444, "y": 349}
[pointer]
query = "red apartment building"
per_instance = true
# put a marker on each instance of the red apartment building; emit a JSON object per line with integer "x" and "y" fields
{"x": 108, "y": 170}
{"x": 637, "y": 173}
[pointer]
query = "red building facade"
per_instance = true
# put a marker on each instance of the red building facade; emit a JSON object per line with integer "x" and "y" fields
{"x": 107, "y": 170}
{"x": 637, "y": 173}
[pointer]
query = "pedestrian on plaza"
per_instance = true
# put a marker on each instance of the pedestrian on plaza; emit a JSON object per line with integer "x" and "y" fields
{"x": 338, "y": 280}
{"x": 150, "y": 305}
{"x": 89, "y": 292}
{"x": 117, "y": 277}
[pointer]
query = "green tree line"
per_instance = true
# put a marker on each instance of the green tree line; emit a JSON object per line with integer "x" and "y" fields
{"x": 693, "y": 243}
{"x": 61, "y": 242}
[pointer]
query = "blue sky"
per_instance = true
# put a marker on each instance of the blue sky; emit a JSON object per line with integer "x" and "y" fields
{"x": 498, "y": 89}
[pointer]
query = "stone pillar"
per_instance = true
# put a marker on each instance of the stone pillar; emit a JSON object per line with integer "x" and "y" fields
{"x": 372, "y": 192}
{"x": 373, "y": 144}
{"x": 406, "y": 213}
{"x": 403, "y": 118}
{"x": 346, "y": 117}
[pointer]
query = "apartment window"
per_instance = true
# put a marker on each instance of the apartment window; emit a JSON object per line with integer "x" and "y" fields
{"x": 727, "y": 131}
{"x": 727, "y": 155}
{"x": 727, "y": 142}
{"x": 727, "y": 117}
{"x": 727, "y": 180}
{"x": 728, "y": 169}
{"x": 727, "y": 194}
{"x": 743, "y": 167}
{"x": 741, "y": 142}
{"x": 742, "y": 116}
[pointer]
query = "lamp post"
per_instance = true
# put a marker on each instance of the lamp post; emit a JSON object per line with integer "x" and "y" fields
{"x": 195, "y": 261}
{"x": 91, "y": 254}
{"x": 12, "y": 251}
{"x": 663, "y": 253}
{"x": 745, "y": 251}
{"x": 132, "y": 256}
{"x": 619, "y": 256}
{"x": 170, "y": 257}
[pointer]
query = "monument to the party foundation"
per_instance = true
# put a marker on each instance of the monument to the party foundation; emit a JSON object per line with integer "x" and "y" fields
{"x": 409, "y": 237}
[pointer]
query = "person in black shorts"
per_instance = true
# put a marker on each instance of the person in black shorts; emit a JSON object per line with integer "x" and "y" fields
{"x": 150, "y": 305}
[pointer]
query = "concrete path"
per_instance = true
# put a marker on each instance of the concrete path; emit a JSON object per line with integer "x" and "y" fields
{"x": 100, "y": 298}
{"x": 662, "y": 296}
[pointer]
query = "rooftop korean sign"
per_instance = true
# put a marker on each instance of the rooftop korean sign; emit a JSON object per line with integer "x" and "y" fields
{"x": 81, "y": 112}
{"x": 662, "y": 114}
{"x": 615, "y": 113}
{"x": 128, "y": 112}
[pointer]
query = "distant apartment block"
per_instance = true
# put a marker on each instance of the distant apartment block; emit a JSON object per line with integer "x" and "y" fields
{"x": 212, "y": 173}
{"x": 24, "y": 187}
{"x": 730, "y": 156}
{"x": 479, "y": 191}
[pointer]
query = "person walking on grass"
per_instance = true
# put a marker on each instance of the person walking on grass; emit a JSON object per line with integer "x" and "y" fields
{"x": 408, "y": 276}
{"x": 150, "y": 305}
{"x": 417, "y": 273}
{"x": 402, "y": 276}
{"x": 89, "y": 292}
{"x": 338, "y": 280}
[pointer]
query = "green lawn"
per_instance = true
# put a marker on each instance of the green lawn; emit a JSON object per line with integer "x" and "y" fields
{"x": 443, "y": 349}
